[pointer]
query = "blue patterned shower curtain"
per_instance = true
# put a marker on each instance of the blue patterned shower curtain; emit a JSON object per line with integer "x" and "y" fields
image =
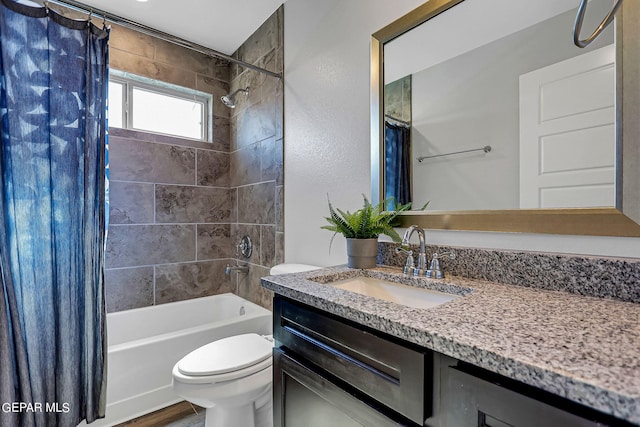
{"x": 397, "y": 167}
{"x": 53, "y": 79}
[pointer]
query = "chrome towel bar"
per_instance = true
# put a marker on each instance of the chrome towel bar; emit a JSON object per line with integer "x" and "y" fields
{"x": 486, "y": 149}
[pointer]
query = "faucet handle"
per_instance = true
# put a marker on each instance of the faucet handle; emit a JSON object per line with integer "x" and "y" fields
{"x": 434, "y": 271}
{"x": 409, "y": 265}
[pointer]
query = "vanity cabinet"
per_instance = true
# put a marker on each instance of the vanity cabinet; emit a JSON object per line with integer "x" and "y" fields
{"x": 470, "y": 396}
{"x": 329, "y": 371}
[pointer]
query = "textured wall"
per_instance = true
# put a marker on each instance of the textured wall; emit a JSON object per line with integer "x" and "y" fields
{"x": 256, "y": 178}
{"x": 327, "y": 74}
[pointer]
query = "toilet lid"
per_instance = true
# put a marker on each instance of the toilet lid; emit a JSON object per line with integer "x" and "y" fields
{"x": 226, "y": 355}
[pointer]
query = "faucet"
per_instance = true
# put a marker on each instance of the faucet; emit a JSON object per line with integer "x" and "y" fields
{"x": 241, "y": 268}
{"x": 422, "y": 256}
{"x": 434, "y": 271}
{"x": 409, "y": 266}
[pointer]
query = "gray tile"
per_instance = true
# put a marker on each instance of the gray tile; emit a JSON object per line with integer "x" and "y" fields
{"x": 213, "y": 168}
{"x": 140, "y": 245}
{"x": 177, "y": 282}
{"x": 130, "y": 203}
{"x": 253, "y": 231}
{"x": 221, "y": 134}
{"x": 178, "y": 204}
{"x": 135, "y": 64}
{"x": 279, "y": 162}
{"x": 256, "y": 123}
{"x": 219, "y": 71}
{"x": 131, "y": 134}
{"x": 214, "y": 241}
{"x": 215, "y": 86}
{"x": 245, "y": 165}
{"x": 279, "y": 208}
{"x": 131, "y": 41}
{"x": 141, "y": 161}
{"x": 279, "y": 113}
{"x": 267, "y": 245}
{"x": 249, "y": 287}
{"x": 268, "y": 165}
{"x": 262, "y": 40}
{"x": 128, "y": 288}
{"x": 186, "y": 59}
{"x": 233, "y": 195}
{"x": 256, "y": 204}
{"x": 185, "y": 142}
{"x": 279, "y": 248}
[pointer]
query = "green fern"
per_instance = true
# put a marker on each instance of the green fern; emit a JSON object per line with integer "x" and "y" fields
{"x": 369, "y": 222}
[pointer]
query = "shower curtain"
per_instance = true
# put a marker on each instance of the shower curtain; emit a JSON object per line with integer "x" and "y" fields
{"x": 397, "y": 173}
{"x": 53, "y": 79}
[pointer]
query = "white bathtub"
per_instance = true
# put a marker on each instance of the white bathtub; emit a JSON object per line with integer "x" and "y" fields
{"x": 145, "y": 343}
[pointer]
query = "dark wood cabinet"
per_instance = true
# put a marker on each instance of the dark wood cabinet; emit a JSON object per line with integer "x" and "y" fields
{"x": 331, "y": 372}
{"x": 472, "y": 397}
{"x": 329, "y": 356}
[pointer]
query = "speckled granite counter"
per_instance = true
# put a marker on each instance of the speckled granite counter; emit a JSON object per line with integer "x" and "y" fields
{"x": 583, "y": 348}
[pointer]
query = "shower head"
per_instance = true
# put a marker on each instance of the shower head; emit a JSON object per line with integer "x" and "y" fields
{"x": 229, "y": 99}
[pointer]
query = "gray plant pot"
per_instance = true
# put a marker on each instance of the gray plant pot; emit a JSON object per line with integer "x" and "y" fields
{"x": 362, "y": 253}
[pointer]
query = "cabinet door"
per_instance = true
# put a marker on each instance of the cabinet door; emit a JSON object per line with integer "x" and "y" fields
{"x": 303, "y": 397}
{"x": 469, "y": 401}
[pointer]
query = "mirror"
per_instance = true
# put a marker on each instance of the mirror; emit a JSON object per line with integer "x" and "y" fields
{"x": 502, "y": 123}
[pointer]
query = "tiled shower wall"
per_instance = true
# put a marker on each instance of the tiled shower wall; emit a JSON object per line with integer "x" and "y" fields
{"x": 171, "y": 205}
{"x": 256, "y": 176}
{"x": 175, "y": 216}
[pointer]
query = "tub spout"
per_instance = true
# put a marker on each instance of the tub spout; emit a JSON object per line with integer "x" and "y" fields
{"x": 240, "y": 268}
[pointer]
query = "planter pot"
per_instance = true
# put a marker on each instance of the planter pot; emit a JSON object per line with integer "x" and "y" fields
{"x": 362, "y": 253}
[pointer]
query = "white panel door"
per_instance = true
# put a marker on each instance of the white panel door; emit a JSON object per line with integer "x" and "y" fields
{"x": 567, "y": 133}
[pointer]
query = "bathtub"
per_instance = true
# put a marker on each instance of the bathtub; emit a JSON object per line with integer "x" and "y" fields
{"x": 145, "y": 343}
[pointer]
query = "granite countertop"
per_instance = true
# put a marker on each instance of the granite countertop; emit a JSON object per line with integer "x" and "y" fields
{"x": 585, "y": 349}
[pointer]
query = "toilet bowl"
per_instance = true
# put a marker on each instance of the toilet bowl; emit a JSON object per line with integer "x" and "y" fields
{"x": 231, "y": 378}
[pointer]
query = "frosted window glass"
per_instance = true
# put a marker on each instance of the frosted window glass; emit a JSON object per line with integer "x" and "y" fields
{"x": 163, "y": 113}
{"x": 115, "y": 104}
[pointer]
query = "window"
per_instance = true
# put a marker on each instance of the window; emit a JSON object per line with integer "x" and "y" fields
{"x": 140, "y": 103}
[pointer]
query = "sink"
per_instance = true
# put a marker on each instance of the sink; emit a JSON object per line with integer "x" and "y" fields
{"x": 410, "y": 296}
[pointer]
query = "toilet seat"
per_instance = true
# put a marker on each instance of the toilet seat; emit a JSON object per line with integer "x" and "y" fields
{"x": 226, "y": 359}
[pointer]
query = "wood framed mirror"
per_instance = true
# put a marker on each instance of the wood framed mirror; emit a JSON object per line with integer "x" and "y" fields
{"x": 619, "y": 216}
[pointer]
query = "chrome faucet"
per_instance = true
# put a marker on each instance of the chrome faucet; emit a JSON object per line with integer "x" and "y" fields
{"x": 434, "y": 271}
{"x": 240, "y": 268}
{"x": 409, "y": 266}
{"x": 422, "y": 256}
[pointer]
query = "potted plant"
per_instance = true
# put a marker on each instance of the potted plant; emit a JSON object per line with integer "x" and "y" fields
{"x": 362, "y": 228}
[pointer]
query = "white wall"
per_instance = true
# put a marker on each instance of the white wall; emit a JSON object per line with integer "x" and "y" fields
{"x": 327, "y": 47}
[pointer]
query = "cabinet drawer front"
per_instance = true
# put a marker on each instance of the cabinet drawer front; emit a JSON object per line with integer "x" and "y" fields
{"x": 469, "y": 400}
{"x": 395, "y": 375}
{"x": 305, "y": 398}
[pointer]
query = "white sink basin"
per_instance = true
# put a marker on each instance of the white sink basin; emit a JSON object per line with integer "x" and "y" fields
{"x": 395, "y": 292}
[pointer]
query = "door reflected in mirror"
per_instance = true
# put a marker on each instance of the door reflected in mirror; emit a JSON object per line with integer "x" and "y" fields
{"x": 504, "y": 112}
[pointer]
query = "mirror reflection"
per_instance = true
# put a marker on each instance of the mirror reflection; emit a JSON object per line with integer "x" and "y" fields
{"x": 503, "y": 111}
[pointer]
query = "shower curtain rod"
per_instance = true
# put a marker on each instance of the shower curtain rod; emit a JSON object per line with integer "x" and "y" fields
{"x": 116, "y": 19}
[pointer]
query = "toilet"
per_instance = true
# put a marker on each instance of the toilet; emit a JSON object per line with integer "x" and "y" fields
{"x": 231, "y": 377}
